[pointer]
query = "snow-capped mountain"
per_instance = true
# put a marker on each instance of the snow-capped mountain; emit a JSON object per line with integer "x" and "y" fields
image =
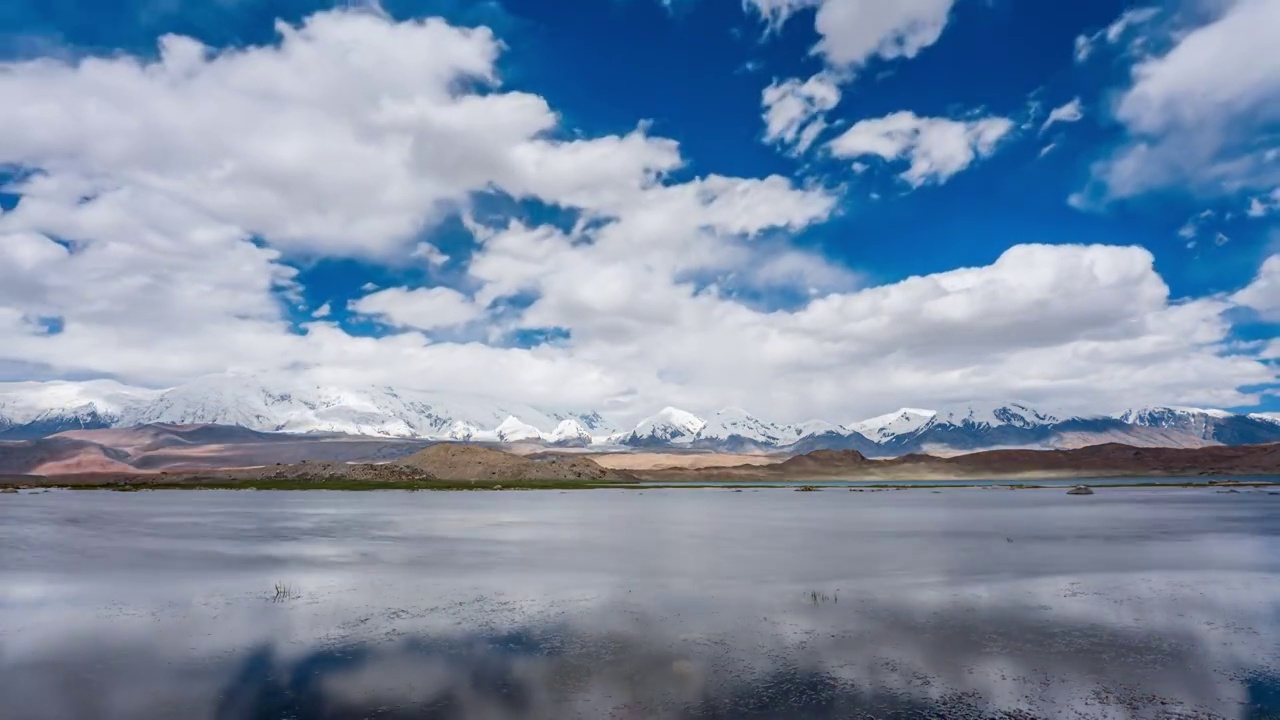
{"x": 35, "y": 409}
{"x": 1213, "y": 425}
{"x": 1169, "y": 417}
{"x": 278, "y": 405}
{"x": 569, "y": 432}
{"x": 957, "y": 429}
{"x": 811, "y": 428}
{"x": 738, "y": 430}
{"x": 671, "y": 426}
{"x": 1013, "y": 415}
{"x": 884, "y": 428}
{"x": 729, "y": 430}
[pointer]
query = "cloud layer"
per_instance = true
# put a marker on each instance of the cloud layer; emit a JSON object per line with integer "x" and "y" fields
{"x": 167, "y": 204}
{"x": 1201, "y": 116}
{"x": 934, "y": 148}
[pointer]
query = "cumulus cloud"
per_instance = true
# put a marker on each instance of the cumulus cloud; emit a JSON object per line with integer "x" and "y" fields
{"x": 348, "y": 136}
{"x": 421, "y": 308}
{"x": 851, "y": 34}
{"x": 1200, "y": 117}
{"x": 934, "y": 148}
{"x": 1071, "y": 112}
{"x": 793, "y": 110}
{"x": 139, "y": 251}
{"x": 430, "y": 253}
{"x": 1263, "y": 294}
{"x": 996, "y": 331}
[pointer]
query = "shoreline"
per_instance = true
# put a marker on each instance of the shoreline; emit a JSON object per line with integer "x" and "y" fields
{"x": 852, "y": 485}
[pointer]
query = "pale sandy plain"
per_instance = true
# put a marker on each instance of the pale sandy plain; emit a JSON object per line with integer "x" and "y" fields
{"x": 672, "y": 461}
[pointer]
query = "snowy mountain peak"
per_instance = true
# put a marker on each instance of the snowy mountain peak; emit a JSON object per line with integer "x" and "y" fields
{"x": 1014, "y": 414}
{"x": 462, "y": 431}
{"x": 895, "y": 424}
{"x": 283, "y": 404}
{"x": 514, "y": 430}
{"x": 1162, "y": 416}
{"x": 24, "y": 402}
{"x": 736, "y": 422}
{"x": 569, "y": 431}
{"x": 811, "y": 428}
{"x": 668, "y": 425}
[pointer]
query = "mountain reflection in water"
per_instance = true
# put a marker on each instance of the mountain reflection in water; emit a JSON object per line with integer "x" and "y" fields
{"x": 680, "y": 604}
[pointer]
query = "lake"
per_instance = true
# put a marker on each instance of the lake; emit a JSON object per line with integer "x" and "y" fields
{"x": 685, "y": 603}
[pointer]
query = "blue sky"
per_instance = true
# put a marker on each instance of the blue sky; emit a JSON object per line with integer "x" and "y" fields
{"x": 343, "y": 266}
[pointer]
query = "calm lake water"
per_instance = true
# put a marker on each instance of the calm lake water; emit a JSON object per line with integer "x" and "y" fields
{"x": 640, "y": 604}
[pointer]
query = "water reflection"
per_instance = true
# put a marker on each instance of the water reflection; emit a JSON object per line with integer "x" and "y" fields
{"x": 1008, "y": 618}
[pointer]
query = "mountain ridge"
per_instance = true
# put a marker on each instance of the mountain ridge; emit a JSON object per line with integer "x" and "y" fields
{"x": 30, "y": 410}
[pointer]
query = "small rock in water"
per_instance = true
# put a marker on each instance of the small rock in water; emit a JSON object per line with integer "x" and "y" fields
{"x": 1080, "y": 490}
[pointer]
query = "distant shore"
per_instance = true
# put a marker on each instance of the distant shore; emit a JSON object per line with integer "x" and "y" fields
{"x": 153, "y": 483}
{"x": 467, "y": 467}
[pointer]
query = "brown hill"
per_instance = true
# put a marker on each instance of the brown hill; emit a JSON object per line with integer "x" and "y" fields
{"x": 472, "y": 463}
{"x": 160, "y": 436}
{"x": 189, "y": 448}
{"x": 1107, "y": 460}
{"x": 69, "y": 461}
{"x": 57, "y": 456}
{"x": 819, "y": 460}
{"x": 1114, "y": 458}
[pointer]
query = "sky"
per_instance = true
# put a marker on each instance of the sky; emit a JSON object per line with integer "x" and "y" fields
{"x": 806, "y": 208}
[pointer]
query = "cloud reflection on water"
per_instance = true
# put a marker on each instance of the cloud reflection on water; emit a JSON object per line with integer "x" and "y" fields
{"x": 570, "y": 606}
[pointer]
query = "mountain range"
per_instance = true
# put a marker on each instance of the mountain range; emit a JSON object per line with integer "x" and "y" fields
{"x": 38, "y": 409}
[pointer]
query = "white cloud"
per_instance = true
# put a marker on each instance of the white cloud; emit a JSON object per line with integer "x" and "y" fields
{"x": 1263, "y": 294}
{"x": 793, "y": 110}
{"x": 1085, "y": 45}
{"x": 1200, "y": 117}
{"x": 935, "y": 148}
{"x": 1129, "y": 19}
{"x": 1071, "y": 112}
{"x": 322, "y": 312}
{"x": 1191, "y": 228}
{"x": 380, "y": 110}
{"x": 1264, "y": 205}
{"x": 421, "y": 308}
{"x": 776, "y": 12}
{"x": 853, "y": 32}
{"x": 165, "y": 268}
{"x": 997, "y": 331}
{"x": 1047, "y": 149}
{"x": 432, "y": 254}
{"x": 1083, "y": 48}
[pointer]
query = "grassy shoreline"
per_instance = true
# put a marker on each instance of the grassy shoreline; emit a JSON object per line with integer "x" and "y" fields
{"x": 352, "y": 485}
